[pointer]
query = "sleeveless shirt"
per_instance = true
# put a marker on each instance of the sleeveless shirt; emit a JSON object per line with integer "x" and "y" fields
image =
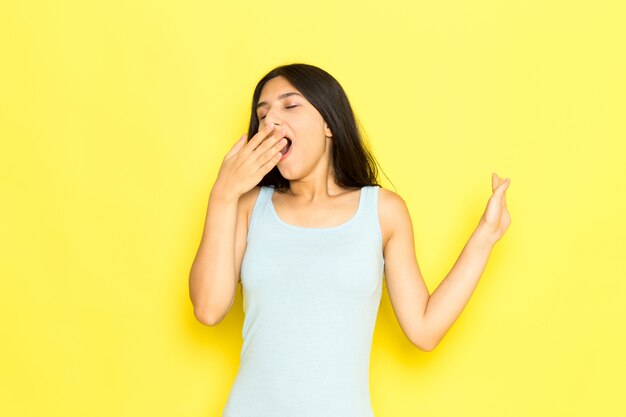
{"x": 310, "y": 300}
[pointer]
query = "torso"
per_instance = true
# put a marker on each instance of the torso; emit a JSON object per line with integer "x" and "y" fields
{"x": 327, "y": 214}
{"x": 334, "y": 212}
{"x": 315, "y": 292}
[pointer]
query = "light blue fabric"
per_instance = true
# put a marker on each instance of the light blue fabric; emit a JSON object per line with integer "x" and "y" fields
{"x": 310, "y": 298}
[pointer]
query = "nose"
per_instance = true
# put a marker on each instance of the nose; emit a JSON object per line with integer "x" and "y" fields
{"x": 270, "y": 120}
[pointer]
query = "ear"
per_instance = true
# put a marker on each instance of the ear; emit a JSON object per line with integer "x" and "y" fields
{"x": 327, "y": 131}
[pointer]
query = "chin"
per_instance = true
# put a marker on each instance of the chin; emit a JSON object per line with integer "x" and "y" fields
{"x": 287, "y": 176}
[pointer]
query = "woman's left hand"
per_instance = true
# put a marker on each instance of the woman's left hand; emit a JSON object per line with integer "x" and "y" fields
{"x": 496, "y": 219}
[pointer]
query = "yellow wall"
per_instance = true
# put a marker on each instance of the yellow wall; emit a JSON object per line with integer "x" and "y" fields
{"x": 115, "y": 116}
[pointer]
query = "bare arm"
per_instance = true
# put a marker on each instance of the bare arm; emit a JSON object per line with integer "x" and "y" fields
{"x": 453, "y": 293}
{"x": 448, "y": 300}
{"x": 425, "y": 318}
{"x": 214, "y": 274}
{"x": 212, "y": 279}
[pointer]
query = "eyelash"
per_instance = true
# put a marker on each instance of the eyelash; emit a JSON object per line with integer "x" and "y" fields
{"x": 288, "y": 107}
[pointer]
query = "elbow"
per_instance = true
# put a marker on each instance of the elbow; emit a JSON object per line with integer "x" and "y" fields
{"x": 211, "y": 316}
{"x": 426, "y": 343}
{"x": 426, "y": 346}
{"x": 423, "y": 338}
{"x": 205, "y": 318}
{"x": 429, "y": 347}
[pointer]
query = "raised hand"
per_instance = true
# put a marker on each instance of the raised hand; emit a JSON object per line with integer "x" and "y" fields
{"x": 247, "y": 163}
{"x": 496, "y": 218}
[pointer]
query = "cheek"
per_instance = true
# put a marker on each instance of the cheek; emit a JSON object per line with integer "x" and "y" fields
{"x": 313, "y": 131}
{"x": 312, "y": 146}
{"x": 310, "y": 137}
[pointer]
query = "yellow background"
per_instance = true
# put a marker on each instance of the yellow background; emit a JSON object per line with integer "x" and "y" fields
{"x": 114, "y": 119}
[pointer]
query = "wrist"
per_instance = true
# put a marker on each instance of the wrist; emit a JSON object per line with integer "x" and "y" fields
{"x": 223, "y": 195}
{"x": 485, "y": 235}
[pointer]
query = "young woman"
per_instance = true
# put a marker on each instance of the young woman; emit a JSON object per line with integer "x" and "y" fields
{"x": 296, "y": 212}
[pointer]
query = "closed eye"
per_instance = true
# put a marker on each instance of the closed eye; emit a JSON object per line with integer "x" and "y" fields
{"x": 288, "y": 107}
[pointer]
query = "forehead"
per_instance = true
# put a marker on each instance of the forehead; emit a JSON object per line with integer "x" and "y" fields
{"x": 277, "y": 88}
{"x": 277, "y": 83}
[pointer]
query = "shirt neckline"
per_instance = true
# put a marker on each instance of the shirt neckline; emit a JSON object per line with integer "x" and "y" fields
{"x": 315, "y": 229}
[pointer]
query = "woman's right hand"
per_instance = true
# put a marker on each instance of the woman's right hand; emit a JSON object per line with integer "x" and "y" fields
{"x": 247, "y": 163}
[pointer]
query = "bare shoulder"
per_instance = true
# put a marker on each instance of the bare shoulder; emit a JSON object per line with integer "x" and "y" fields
{"x": 392, "y": 213}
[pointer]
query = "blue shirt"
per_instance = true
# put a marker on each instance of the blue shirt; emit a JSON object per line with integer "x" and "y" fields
{"x": 310, "y": 299}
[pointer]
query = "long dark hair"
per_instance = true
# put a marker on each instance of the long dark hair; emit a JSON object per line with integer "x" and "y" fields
{"x": 353, "y": 164}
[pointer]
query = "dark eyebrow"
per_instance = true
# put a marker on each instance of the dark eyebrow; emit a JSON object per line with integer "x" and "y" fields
{"x": 264, "y": 103}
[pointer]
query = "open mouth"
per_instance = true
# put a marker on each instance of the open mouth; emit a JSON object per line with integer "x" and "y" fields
{"x": 287, "y": 147}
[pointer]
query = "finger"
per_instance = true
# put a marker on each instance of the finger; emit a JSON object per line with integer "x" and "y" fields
{"x": 271, "y": 163}
{"x": 261, "y": 135}
{"x": 502, "y": 185}
{"x": 276, "y": 136}
{"x": 502, "y": 188}
{"x": 271, "y": 147}
{"x": 237, "y": 146}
